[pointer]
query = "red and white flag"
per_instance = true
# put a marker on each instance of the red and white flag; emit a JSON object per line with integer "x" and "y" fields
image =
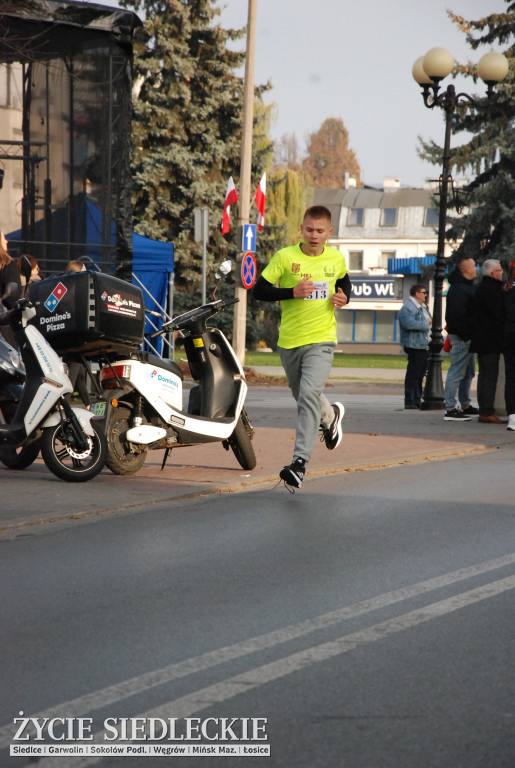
{"x": 231, "y": 197}
{"x": 260, "y": 202}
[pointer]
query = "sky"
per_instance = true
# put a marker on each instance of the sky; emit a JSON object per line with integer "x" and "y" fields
{"x": 352, "y": 59}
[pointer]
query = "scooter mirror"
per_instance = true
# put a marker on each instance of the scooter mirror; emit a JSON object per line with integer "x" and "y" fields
{"x": 26, "y": 268}
{"x": 224, "y": 269}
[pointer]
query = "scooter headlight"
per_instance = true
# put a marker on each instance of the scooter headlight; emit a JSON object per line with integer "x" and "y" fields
{"x": 16, "y": 360}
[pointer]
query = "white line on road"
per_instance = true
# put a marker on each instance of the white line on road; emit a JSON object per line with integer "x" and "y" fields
{"x": 114, "y": 693}
{"x": 227, "y": 689}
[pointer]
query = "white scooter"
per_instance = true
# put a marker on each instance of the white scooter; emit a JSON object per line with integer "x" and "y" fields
{"x": 12, "y": 381}
{"x": 73, "y": 447}
{"x": 145, "y": 398}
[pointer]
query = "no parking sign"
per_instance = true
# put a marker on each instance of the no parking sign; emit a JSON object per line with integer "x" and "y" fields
{"x": 248, "y": 270}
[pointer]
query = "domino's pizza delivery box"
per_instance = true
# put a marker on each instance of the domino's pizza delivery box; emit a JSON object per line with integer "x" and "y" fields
{"x": 88, "y": 312}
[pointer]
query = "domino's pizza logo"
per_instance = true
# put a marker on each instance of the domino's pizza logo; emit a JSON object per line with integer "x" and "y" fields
{"x": 55, "y": 297}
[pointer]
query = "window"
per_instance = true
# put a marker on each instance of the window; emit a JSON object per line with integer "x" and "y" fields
{"x": 361, "y": 325}
{"x": 389, "y": 217}
{"x": 364, "y": 328}
{"x": 345, "y": 325}
{"x": 356, "y": 217}
{"x": 356, "y": 261}
{"x": 385, "y": 326}
{"x": 383, "y": 258}
{"x": 430, "y": 218}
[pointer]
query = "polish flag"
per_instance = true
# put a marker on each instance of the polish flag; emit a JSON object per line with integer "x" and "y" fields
{"x": 231, "y": 197}
{"x": 260, "y": 202}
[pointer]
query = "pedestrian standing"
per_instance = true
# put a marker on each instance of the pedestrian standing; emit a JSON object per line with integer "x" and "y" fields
{"x": 487, "y": 335}
{"x": 414, "y": 324}
{"x": 458, "y": 316}
{"x": 312, "y": 282}
{"x": 508, "y": 347}
{"x": 28, "y": 268}
{"x": 8, "y": 274}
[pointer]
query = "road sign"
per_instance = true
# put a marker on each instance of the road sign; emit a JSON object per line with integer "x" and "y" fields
{"x": 248, "y": 237}
{"x": 201, "y": 221}
{"x": 248, "y": 270}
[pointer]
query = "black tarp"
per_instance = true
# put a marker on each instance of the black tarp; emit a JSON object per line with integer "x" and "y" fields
{"x": 76, "y": 124}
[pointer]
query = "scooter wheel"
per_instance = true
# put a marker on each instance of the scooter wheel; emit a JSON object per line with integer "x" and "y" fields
{"x": 66, "y": 461}
{"x": 241, "y": 445}
{"x": 120, "y": 458}
{"x": 19, "y": 458}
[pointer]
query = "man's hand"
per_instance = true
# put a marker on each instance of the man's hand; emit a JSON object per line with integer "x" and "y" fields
{"x": 338, "y": 299}
{"x": 303, "y": 289}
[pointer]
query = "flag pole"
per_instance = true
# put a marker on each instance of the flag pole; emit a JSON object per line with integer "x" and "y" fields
{"x": 240, "y": 309}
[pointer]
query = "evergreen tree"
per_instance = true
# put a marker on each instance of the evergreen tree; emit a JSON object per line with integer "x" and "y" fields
{"x": 487, "y": 230}
{"x": 186, "y": 128}
{"x": 329, "y": 157}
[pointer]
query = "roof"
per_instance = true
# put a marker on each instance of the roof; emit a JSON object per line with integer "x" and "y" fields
{"x": 361, "y": 197}
{"x": 36, "y": 29}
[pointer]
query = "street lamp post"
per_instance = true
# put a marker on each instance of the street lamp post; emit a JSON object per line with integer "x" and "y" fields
{"x": 428, "y": 71}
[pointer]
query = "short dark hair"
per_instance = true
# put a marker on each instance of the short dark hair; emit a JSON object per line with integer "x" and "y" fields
{"x": 416, "y": 288}
{"x": 318, "y": 212}
{"x": 462, "y": 258}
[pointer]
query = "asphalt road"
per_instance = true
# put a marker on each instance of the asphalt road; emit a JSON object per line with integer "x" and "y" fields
{"x": 369, "y": 619}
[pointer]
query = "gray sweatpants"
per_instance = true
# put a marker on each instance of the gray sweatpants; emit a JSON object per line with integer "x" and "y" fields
{"x": 307, "y": 369}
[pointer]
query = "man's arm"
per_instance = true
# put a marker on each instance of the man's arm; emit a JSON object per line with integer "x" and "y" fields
{"x": 265, "y": 291}
{"x": 345, "y": 284}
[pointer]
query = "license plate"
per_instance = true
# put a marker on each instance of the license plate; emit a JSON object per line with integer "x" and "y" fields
{"x": 99, "y": 408}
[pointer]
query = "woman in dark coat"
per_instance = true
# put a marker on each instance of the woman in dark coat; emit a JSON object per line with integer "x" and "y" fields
{"x": 9, "y": 273}
{"x": 509, "y": 345}
{"x": 487, "y": 335}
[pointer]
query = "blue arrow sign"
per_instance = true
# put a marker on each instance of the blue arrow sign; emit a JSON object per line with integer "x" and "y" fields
{"x": 248, "y": 238}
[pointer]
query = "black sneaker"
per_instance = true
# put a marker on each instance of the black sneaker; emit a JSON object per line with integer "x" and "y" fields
{"x": 333, "y": 434}
{"x": 456, "y": 415}
{"x": 470, "y": 410}
{"x": 294, "y": 474}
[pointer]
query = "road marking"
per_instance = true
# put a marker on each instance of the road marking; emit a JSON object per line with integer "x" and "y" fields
{"x": 119, "y": 691}
{"x": 202, "y": 699}
{"x": 233, "y": 686}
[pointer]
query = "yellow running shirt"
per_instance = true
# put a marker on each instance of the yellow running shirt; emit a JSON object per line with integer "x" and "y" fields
{"x": 310, "y": 320}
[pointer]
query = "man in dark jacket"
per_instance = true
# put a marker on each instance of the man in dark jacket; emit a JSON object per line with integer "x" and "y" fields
{"x": 458, "y": 316}
{"x": 487, "y": 333}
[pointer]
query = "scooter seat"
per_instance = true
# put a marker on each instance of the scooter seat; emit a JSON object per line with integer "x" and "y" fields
{"x": 168, "y": 365}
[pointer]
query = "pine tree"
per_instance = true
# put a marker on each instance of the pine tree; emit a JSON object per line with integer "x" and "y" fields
{"x": 329, "y": 157}
{"x": 186, "y": 128}
{"x": 487, "y": 230}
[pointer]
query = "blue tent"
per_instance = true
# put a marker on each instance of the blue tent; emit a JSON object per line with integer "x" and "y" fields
{"x": 152, "y": 264}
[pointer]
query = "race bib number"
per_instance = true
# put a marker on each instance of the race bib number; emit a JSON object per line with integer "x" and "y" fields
{"x": 320, "y": 291}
